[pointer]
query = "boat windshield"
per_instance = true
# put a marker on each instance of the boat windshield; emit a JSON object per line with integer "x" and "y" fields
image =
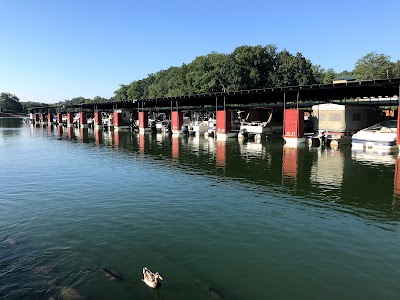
{"x": 391, "y": 124}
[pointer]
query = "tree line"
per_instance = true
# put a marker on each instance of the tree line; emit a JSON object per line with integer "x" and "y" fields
{"x": 246, "y": 68}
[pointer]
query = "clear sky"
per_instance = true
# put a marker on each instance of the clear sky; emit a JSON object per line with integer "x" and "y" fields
{"x": 53, "y": 50}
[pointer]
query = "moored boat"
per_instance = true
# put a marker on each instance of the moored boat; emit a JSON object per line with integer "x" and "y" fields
{"x": 379, "y": 136}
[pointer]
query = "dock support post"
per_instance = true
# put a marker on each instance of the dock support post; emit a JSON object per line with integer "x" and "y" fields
{"x": 70, "y": 119}
{"x": 143, "y": 121}
{"x": 224, "y": 125}
{"x": 177, "y": 122}
{"x": 42, "y": 118}
{"x": 59, "y": 119}
{"x": 293, "y": 126}
{"x": 50, "y": 118}
{"x": 398, "y": 126}
{"x": 117, "y": 119}
{"x": 98, "y": 122}
{"x": 83, "y": 120}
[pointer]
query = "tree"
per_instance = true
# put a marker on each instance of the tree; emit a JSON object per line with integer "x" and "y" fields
{"x": 373, "y": 66}
{"x": 10, "y": 103}
{"x": 329, "y": 75}
{"x": 319, "y": 73}
{"x": 396, "y": 69}
{"x": 121, "y": 93}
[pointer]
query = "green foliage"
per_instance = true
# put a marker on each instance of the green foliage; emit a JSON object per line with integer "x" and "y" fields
{"x": 396, "y": 69}
{"x": 10, "y": 103}
{"x": 373, "y": 66}
{"x": 247, "y": 67}
{"x": 329, "y": 75}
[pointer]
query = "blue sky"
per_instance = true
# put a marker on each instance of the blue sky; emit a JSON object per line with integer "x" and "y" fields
{"x": 53, "y": 50}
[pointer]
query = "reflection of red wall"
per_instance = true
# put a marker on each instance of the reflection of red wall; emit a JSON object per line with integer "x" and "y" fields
{"x": 397, "y": 177}
{"x": 116, "y": 138}
{"x": 98, "y": 137}
{"x": 289, "y": 162}
{"x": 175, "y": 147}
{"x": 60, "y": 131}
{"x": 177, "y": 120}
{"x": 71, "y": 133}
{"x": 294, "y": 123}
{"x": 84, "y": 134}
{"x": 220, "y": 153}
{"x": 141, "y": 143}
{"x": 224, "y": 121}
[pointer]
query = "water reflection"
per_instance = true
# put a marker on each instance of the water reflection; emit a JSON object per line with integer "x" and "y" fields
{"x": 374, "y": 158}
{"x": 327, "y": 170}
{"x": 323, "y": 174}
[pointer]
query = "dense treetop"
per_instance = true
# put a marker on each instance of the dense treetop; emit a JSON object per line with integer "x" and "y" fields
{"x": 247, "y": 67}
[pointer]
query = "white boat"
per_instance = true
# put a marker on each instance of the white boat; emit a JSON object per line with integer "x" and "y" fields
{"x": 379, "y": 136}
{"x": 256, "y": 124}
{"x": 163, "y": 126}
{"x": 198, "y": 127}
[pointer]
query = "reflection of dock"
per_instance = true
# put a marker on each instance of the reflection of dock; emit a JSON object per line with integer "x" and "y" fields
{"x": 249, "y": 150}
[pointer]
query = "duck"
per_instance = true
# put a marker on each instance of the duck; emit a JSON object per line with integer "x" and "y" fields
{"x": 151, "y": 279}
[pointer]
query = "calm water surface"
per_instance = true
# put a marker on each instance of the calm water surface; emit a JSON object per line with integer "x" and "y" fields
{"x": 240, "y": 220}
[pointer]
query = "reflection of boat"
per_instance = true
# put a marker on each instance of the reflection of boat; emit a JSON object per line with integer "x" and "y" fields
{"x": 336, "y": 123}
{"x": 372, "y": 157}
{"x": 378, "y": 136}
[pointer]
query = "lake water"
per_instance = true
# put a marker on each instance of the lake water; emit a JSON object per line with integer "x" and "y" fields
{"x": 231, "y": 220}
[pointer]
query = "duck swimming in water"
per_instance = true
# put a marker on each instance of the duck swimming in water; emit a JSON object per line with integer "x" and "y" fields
{"x": 151, "y": 279}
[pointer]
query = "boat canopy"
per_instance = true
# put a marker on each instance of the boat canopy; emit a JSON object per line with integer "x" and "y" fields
{"x": 337, "y": 117}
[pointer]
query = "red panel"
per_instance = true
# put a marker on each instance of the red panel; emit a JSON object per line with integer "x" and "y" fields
{"x": 59, "y": 118}
{"x": 49, "y": 117}
{"x": 117, "y": 119}
{"x": 177, "y": 120}
{"x": 97, "y": 118}
{"x": 83, "y": 118}
{"x": 143, "y": 119}
{"x": 398, "y": 128}
{"x": 224, "y": 120}
{"x": 70, "y": 118}
{"x": 293, "y": 123}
